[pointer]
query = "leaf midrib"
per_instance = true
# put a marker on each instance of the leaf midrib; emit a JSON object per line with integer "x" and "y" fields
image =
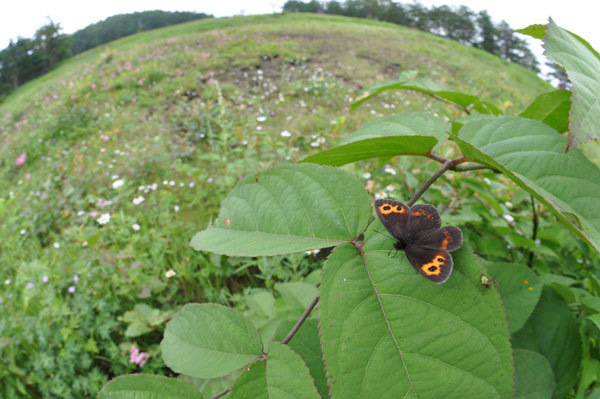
{"x": 387, "y": 322}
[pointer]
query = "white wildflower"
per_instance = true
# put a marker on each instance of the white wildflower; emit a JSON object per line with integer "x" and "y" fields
{"x": 170, "y": 273}
{"x": 508, "y": 218}
{"x": 104, "y": 218}
{"x": 138, "y": 200}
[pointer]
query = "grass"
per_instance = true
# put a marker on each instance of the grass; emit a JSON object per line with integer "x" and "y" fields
{"x": 154, "y": 130}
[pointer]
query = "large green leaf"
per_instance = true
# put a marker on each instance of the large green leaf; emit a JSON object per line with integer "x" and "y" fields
{"x": 423, "y": 85}
{"x": 284, "y": 376}
{"x": 288, "y": 209}
{"x": 209, "y": 340}
{"x": 533, "y": 155}
{"x": 582, "y": 64}
{"x": 414, "y": 133}
{"x": 307, "y": 343}
{"x": 553, "y": 332}
{"x": 520, "y": 289}
{"x": 389, "y": 333}
{"x": 535, "y": 378}
{"x": 145, "y": 386}
{"x": 551, "y": 108}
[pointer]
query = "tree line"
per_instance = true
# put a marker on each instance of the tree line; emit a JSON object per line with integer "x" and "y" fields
{"x": 28, "y": 58}
{"x": 461, "y": 24}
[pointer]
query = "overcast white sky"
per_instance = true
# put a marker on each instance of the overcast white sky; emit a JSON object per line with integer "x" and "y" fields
{"x": 23, "y": 17}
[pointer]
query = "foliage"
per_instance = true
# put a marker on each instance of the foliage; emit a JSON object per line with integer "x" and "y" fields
{"x": 155, "y": 129}
{"x": 122, "y": 25}
{"x": 26, "y": 59}
{"x": 511, "y": 320}
{"x": 458, "y": 23}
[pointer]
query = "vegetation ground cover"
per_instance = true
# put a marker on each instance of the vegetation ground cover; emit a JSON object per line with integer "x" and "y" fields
{"x": 130, "y": 147}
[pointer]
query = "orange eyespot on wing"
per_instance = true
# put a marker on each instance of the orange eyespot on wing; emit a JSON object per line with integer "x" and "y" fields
{"x": 421, "y": 212}
{"x": 434, "y": 268}
{"x": 388, "y": 208}
{"x": 447, "y": 239}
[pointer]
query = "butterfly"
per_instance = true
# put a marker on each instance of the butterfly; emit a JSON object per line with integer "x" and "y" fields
{"x": 417, "y": 231}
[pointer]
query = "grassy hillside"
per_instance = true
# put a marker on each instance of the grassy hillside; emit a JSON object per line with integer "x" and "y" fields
{"x": 131, "y": 146}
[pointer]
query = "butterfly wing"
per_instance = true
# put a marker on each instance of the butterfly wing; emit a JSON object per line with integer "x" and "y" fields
{"x": 448, "y": 238}
{"x": 394, "y": 216}
{"x": 423, "y": 217}
{"x": 434, "y": 265}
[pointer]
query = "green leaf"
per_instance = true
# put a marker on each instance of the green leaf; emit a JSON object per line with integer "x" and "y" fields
{"x": 590, "y": 368}
{"x": 136, "y": 329}
{"x": 388, "y": 332}
{"x": 551, "y": 108}
{"x": 462, "y": 100}
{"x": 534, "y": 376}
{"x": 209, "y": 340}
{"x": 532, "y": 155}
{"x": 286, "y": 377}
{"x": 251, "y": 384}
{"x": 581, "y": 63}
{"x": 520, "y": 289}
{"x": 591, "y": 304}
{"x": 537, "y": 31}
{"x": 145, "y": 386}
{"x": 595, "y": 318}
{"x": 553, "y": 332}
{"x": 288, "y": 209}
{"x": 297, "y": 294}
{"x": 210, "y": 387}
{"x": 307, "y": 343}
{"x": 261, "y": 303}
{"x": 410, "y": 133}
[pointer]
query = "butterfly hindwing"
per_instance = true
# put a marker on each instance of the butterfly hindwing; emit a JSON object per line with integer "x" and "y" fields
{"x": 434, "y": 265}
{"x": 394, "y": 216}
{"x": 448, "y": 238}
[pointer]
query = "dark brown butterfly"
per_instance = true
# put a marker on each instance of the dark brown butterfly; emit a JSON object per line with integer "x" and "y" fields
{"x": 417, "y": 231}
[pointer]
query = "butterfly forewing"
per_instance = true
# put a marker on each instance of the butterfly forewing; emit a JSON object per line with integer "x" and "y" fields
{"x": 434, "y": 265}
{"x": 394, "y": 216}
{"x": 448, "y": 238}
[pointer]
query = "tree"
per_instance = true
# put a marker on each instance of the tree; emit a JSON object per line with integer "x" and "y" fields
{"x": 52, "y": 45}
{"x": 558, "y": 73}
{"x": 487, "y": 34}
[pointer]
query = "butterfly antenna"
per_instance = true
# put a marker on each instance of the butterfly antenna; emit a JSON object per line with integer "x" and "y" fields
{"x": 383, "y": 234}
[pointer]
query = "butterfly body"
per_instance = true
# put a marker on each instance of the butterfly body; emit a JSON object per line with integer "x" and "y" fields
{"x": 417, "y": 232}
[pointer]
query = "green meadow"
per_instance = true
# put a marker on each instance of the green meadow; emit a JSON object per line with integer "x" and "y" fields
{"x": 130, "y": 148}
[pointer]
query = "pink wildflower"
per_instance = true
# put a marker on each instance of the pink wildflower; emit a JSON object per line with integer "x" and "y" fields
{"x": 205, "y": 55}
{"x": 137, "y": 357}
{"x": 21, "y": 160}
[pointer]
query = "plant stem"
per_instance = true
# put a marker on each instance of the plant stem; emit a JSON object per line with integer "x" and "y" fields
{"x": 456, "y": 163}
{"x": 287, "y": 339}
{"x": 301, "y": 320}
{"x": 447, "y": 165}
{"x": 223, "y": 393}
{"x": 535, "y": 229}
